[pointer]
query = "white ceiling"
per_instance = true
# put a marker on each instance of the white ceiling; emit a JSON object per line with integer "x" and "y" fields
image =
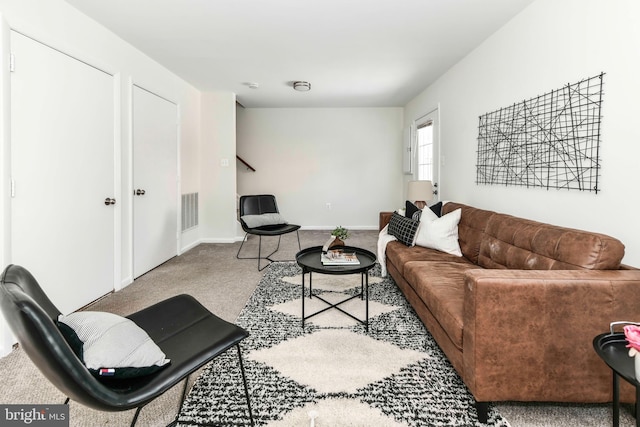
{"x": 355, "y": 53}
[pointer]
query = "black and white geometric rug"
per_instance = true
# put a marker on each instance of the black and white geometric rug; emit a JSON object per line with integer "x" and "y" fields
{"x": 332, "y": 371}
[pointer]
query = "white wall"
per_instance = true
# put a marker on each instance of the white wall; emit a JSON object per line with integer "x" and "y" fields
{"x": 218, "y": 182}
{"x": 6, "y": 338}
{"x": 549, "y": 44}
{"x": 189, "y": 154}
{"x": 309, "y": 157}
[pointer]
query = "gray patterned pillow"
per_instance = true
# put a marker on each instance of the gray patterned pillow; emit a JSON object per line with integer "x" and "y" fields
{"x": 110, "y": 345}
{"x": 403, "y": 229}
{"x": 254, "y": 221}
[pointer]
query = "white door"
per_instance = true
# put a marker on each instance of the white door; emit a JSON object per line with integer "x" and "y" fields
{"x": 62, "y": 146}
{"x": 155, "y": 186}
{"x": 427, "y": 150}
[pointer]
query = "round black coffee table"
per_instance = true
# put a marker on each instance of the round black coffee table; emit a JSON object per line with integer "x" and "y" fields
{"x": 309, "y": 260}
{"x": 612, "y": 348}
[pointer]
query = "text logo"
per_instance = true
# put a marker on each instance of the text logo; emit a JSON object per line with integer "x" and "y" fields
{"x": 34, "y": 415}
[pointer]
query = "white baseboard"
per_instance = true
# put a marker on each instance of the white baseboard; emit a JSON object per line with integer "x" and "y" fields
{"x": 221, "y": 240}
{"x": 329, "y": 227}
{"x": 241, "y": 238}
{"x": 188, "y": 247}
{"x": 124, "y": 283}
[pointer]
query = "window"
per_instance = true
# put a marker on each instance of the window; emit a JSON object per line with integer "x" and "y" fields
{"x": 425, "y": 150}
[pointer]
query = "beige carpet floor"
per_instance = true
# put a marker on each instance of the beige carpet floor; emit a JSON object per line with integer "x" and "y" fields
{"x": 213, "y": 275}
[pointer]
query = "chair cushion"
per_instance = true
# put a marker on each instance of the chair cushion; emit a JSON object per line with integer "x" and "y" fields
{"x": 110, "y": 345}
{"x": 254, "y": 221}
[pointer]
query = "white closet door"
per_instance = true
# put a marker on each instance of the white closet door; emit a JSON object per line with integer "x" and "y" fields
{"x": 155, "y": 186}
{"x": 62, "y": 145}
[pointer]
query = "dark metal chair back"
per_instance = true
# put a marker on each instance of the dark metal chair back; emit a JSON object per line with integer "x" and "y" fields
{"x": 258, "y": 205}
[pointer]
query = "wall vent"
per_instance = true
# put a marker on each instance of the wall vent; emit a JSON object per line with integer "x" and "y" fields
{"x": 189, "y": 211}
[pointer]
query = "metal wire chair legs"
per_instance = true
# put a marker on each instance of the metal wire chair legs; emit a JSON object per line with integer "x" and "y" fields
{"x": 260, "y": 257}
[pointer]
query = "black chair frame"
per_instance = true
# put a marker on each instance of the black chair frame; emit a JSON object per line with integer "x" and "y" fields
{"x": 188, "y": 333}
{"x": 258, "y": 205}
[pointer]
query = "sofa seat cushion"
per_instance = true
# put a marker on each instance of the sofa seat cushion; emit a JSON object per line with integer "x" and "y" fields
{"x": 440, "y": 285}
{"x": 521, "y": 244}
{"x": 399, "y": 254}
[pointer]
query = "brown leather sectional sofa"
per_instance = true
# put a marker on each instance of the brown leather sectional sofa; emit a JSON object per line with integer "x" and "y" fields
{"x": 516, "y": 315}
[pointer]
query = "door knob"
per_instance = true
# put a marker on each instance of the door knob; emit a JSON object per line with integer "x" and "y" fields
{"x": 139, "y": 192}
{"x": 108, "y": 201}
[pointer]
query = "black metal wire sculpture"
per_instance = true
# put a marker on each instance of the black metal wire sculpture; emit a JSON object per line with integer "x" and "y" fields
{"x": 550, "y": 141}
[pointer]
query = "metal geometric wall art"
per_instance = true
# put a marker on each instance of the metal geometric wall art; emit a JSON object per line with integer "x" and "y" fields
{"x": 550, "y": 141}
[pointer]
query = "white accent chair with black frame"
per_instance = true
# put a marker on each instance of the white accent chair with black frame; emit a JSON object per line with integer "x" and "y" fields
{"x": 259, "y": 215}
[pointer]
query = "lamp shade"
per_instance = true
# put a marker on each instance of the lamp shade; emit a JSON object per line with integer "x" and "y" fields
{"x": 421, "y": 191}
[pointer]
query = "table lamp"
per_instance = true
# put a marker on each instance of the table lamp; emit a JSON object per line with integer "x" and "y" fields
{"x": 419, "y": 192}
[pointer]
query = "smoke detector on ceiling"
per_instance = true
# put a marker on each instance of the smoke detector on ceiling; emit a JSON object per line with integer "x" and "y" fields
{"x": 302, "y": 86}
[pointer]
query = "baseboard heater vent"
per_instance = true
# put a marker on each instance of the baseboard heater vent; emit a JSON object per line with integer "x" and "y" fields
{"x": 189, "y": 211}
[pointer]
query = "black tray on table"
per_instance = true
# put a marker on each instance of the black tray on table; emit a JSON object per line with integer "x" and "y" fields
{"x": 612, "y": 348}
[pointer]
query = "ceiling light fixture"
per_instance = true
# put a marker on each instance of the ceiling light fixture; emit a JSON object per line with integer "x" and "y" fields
{"x": 302, "y": 86}
{"x": 253, "y": 85}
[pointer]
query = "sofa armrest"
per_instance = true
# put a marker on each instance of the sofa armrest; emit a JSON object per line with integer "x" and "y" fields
{"x": 529, "y": 333}
{"x": 385, "y": 217}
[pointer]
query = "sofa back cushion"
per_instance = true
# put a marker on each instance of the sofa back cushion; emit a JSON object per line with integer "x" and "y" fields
{"x": 517, "y": 243}
{"x": 473, "y": 222}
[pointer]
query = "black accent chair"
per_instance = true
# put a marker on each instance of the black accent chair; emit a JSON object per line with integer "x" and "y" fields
{"x": 185, "y": 331}
{"x": 258, "y": 205}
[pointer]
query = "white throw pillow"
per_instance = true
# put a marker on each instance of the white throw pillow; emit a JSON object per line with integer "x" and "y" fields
{"x": 254, "y": 221}
{"x": 112, "y": 345}
{"x": 439, "y": 233}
